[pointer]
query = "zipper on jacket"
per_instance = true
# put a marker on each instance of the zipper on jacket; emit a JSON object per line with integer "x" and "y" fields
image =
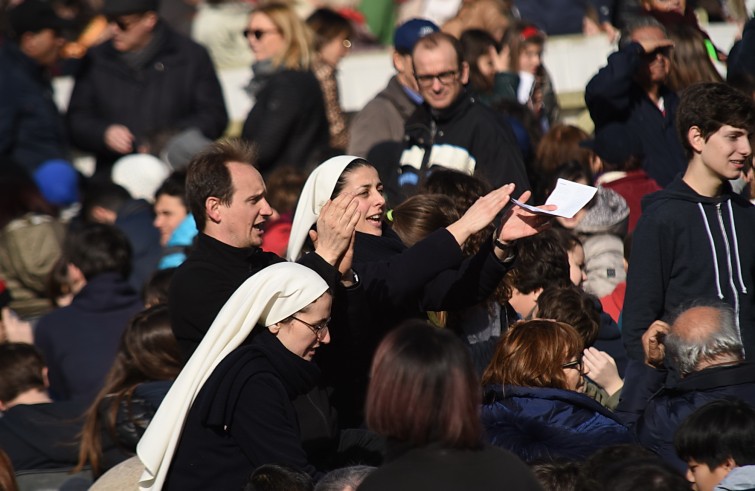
{"x": 426, "y": 158}
{"x": 729, "y": 265}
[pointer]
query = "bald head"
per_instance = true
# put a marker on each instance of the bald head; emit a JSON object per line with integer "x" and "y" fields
{"x": 702, "y": 336}
{"x": 697, "y": 324}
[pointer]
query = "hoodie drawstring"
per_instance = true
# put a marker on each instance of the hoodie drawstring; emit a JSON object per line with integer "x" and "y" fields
{"x": 713, "y": 250}
{"x": 736, "y": 249}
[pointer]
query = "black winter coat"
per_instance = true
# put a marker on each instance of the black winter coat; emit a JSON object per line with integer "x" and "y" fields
{"x": 398, "y": 283}
{"x": 208, "y": 278}
{"x": 244, "y": 417}
{"x": 31, "y": 128}
{"x": 450, "y": 469}
{"x": 467, "y": 136}
{"x": 288, "y": 124}
{"x": 176, "y": 90}
{"x": 612, "y": 96}
{"x": 656, "y": 421}
{"x": 42, "y": 436}
{"x": 132, "y": 417}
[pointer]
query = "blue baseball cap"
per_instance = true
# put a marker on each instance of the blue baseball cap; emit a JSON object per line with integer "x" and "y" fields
{"x": 411, "y": 31}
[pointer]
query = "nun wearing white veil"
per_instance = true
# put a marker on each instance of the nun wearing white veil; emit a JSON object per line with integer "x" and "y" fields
{"x": 230, "y": 409}
{"x": 400, "y": 282}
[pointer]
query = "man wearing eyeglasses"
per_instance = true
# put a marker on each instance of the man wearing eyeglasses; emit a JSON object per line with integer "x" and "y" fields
{"x": 31, "y": 128}
{"x": 452, "y": 129}
{"x": 377, "y": 131}
{"x": 631, "y": 90}
{"x": 145, "y": 84}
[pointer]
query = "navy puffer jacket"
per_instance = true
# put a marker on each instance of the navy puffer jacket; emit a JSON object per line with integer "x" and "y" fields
{"x": 539, "y": 423}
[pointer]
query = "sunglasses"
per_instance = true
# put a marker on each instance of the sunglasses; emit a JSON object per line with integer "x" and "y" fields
{"x": 123, "y": 23}
{"x": 257, "y": 33}
{"x": 665, "y": 51}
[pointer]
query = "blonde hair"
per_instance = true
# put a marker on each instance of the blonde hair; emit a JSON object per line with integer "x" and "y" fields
{"x": 299, "y": 51}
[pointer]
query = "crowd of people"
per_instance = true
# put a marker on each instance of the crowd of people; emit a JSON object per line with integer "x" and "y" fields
{"x": 315, "y": 300}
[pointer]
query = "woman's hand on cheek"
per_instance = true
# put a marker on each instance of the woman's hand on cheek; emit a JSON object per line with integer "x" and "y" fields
{"x": 335, "y": 228}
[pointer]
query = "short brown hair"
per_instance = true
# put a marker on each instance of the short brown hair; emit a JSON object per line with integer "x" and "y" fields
{"x": 423, "y": 389}
{"x": 421, "y": 215}
{"x": 559, "y": 145}
{"x": 284, "y": 185}
{"x": 541, "y": 262}
{"x": 573, "y": 306}
{"x": 435, "y": 39}
{"x": 21, "y": 369}
{"x": 208, "y": 175}
{"x": 531, "y": 354}
{"x": 327, "y": 24}
{"x": 709, "y": 106}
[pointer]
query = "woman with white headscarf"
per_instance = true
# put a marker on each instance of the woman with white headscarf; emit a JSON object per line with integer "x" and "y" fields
{"x": 401, "y": 282}
{"x": 230, "y": 410}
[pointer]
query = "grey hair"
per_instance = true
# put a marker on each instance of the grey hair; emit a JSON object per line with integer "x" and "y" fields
{"x": 686, "y": 352}
{"x": 635, "y": 24}
{"x": 344, "y": 479}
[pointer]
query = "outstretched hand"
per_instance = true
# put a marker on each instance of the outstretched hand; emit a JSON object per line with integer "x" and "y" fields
{"x": 519, "y": 223}
{"x": 481, "y": 213}
{"x": 336, "y": 226}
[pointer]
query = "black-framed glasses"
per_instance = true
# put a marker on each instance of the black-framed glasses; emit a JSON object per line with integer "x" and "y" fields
{"x": 444, "y": 78}
{"x": 258, "y": 33}
{"x": 576, "y": 364}
{"x": 319, "y": 329}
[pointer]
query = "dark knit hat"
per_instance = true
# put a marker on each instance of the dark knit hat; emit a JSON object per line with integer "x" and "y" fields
{"x": 114, "y": 8}
{"x": 33, "y": 16}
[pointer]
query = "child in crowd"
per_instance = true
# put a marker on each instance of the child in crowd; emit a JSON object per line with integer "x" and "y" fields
{"x": 717, "y": 443}
{"x": 541, "y": 262}
{"x": 601, "y": 227}
{"x": 575, "y": 253}
{"x": 526, "y": 43}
